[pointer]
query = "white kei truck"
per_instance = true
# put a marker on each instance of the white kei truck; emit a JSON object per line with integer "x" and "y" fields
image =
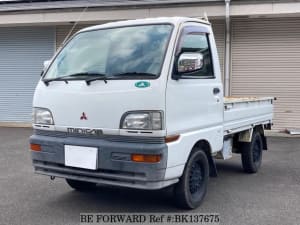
{"x": 140, "y": 104}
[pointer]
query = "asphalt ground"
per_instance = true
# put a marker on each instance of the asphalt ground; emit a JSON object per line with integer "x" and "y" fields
{"x": 271, "y": 196}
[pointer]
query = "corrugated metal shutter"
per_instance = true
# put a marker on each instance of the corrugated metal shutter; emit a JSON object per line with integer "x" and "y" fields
{"x": 266, "y": 62}
{"x": 219, "y": 32}
{"x": 22, "y": 52}
{"x": 63, "y": 31}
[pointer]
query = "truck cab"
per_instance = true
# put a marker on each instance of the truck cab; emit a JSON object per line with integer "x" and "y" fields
{"x": 140, "y": 104}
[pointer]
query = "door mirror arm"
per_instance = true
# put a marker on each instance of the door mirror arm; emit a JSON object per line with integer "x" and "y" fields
{"x": 176, "y": 76}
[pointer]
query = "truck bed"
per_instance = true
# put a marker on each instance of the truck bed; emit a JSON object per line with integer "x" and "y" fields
{"x": 241, "y": 113}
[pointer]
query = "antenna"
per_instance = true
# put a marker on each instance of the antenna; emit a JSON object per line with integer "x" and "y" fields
{"x": 205, "y": 16}
{"x": 74, "y": 25}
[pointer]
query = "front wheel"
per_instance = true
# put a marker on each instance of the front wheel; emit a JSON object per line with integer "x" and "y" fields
{"x": 81, "y": 185}
{"x": 191, "y": 189}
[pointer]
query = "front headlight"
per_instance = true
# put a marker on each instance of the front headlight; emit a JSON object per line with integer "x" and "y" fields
{"x": 142, "y": 120}
{"x": 42, "y": 116}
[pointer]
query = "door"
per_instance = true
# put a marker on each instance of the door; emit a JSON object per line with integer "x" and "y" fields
{"x": 194, "y": 102}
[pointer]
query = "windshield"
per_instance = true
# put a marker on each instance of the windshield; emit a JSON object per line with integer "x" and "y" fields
{"x": 124, "y": 51}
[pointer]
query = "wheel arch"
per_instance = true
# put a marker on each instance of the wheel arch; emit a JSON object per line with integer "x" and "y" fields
{"x": 205, "y": 146}
{"x": 246, "y": 135}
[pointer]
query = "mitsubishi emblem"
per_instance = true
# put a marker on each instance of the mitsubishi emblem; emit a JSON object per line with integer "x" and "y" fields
{"x": 83, "y": 116}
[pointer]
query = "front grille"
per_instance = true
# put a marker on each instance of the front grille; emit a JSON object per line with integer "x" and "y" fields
{"x": 114, "y": 138}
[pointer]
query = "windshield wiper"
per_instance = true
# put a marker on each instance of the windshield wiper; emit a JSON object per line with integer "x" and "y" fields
{"x": 97, "y": 76}
{"x": 90, "y": 76}
{"x": 69, "y": 77}
{"x": 129, "y": 74}
{"x": 47, "y": 81}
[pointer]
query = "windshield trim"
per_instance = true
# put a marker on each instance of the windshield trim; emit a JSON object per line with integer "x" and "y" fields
{"x": 109, "y": 28}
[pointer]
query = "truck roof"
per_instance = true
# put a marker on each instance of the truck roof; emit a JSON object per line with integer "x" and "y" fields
{"x": 173, "y": 20}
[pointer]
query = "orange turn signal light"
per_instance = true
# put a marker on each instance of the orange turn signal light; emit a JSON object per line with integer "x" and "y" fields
{"x": 35, "y": 147}
{"x": 172, "y": 138}
{"x": 145, "y": 158}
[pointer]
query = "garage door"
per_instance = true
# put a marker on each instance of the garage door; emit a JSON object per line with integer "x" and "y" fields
{"x": 22, "y": 52}
{"x": 219, "y": 32}
{"x": 266, "y": 62}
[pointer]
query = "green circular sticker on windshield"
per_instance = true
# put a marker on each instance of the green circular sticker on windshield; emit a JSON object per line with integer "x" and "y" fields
{"x": 142, "y": 84}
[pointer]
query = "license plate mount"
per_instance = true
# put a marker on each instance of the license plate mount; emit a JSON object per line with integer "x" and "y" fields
{"x": 81, "y": 157}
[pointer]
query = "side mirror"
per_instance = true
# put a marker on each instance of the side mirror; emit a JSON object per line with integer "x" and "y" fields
{"x": 189, "y": 62}
{"x": 46, "y": 64}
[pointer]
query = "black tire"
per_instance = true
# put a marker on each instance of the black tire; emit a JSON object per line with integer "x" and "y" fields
{"x": 190, "y": 191}
{"x": 81, "y": 185}
{"x": 252, "y": 154}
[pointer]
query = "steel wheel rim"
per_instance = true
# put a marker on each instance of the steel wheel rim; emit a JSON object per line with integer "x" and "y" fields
{"x": 196, "y": 179}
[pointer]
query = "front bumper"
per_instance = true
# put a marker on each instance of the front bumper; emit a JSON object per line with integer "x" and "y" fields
{"x": 113, "y": 168}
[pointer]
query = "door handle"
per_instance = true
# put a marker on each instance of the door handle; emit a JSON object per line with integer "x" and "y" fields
{"x": 216, "y": 91}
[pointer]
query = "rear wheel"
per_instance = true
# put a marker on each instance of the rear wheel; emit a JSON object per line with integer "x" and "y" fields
{"x": 81, "y": 185}
{"x": 191, "y": 189}
{"x": 252, "y": 154}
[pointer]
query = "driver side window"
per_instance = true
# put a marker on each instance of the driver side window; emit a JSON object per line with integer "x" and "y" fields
{"x": 193, "y": 41}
